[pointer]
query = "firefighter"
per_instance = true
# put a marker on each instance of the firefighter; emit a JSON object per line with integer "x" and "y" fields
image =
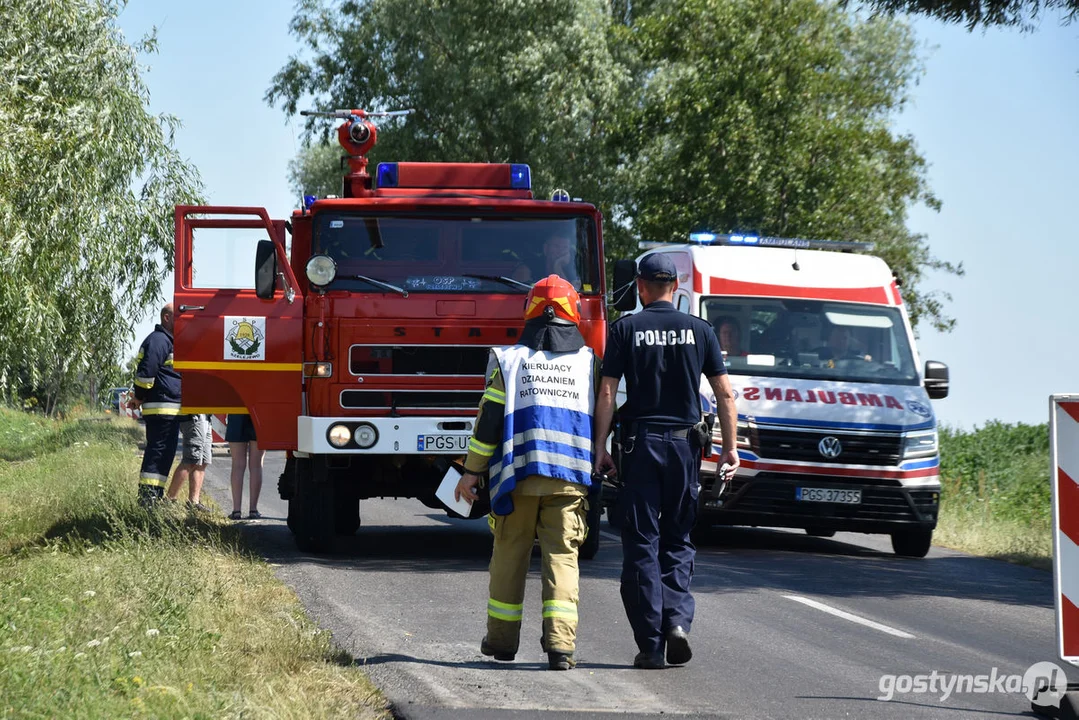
{"x": 533, "y": 437}
{"x": 157, "y": 392}
{"x": 662, "y": 354}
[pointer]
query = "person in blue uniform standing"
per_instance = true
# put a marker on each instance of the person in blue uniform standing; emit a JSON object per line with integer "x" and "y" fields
{"x": 662, "y": 354}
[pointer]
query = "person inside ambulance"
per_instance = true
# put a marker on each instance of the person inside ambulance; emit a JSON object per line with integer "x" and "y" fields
{"x": 543, "y": 389}
{"x": 840, "y": 346}
{"x": 729, "y": 333}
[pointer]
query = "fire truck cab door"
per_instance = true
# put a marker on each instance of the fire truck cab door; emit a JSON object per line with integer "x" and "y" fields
{"x": 236, "y": 352}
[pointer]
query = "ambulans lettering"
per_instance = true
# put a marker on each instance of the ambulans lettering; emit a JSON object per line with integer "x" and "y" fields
{"x": 681, "y": 336}
{"x": 822, "y": 396}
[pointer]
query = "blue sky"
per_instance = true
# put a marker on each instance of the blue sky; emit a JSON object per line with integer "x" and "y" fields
{"x": 996, "y": 115}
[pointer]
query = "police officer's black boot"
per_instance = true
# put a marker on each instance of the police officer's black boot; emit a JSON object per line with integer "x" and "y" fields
{"x": 678, "y": 650}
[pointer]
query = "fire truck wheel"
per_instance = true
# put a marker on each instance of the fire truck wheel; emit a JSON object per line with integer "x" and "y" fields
{"x": 312, "y": 508}
{"x": 912, "y": 543}
{"x": 346, "y": 509}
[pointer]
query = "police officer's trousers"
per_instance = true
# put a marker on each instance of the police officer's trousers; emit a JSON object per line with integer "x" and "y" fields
{"x": 659, "y": 506}
{"x": 558, "y": 520}
{"x": 162, "y": 432}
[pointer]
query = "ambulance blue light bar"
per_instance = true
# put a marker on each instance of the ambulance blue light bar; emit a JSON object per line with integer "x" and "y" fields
{"x": 710, "y": 238}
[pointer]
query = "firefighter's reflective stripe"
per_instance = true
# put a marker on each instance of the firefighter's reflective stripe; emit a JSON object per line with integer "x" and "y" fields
{"x": 504, "y": 611}
{"x": 168, "y": 360}
{"x": 145, "y": 383}
{"x": 544, "y": 390}
{"x": 481, "y": 448}
{"x": 161, "y": 408}
{"x": 495, "y": 396}
{"x": 559, "y": 609}
{"x": 152, "y": 479}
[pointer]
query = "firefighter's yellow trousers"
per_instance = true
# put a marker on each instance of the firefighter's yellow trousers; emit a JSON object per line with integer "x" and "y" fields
{"x": 558, "y": 520}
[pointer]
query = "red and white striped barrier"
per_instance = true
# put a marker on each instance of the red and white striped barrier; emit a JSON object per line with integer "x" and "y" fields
{"x": 217, "y": 426}
{"x": 1064, "y": 444}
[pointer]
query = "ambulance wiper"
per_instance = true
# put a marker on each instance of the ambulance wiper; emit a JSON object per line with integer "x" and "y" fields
{"x": 376, "y": 283}
{"x": 502, "y": 279}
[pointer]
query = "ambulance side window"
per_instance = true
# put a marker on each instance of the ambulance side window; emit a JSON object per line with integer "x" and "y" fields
{"x": 682, "y": 303}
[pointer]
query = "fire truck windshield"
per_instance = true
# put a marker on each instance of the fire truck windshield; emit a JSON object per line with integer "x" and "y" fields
{"x": 812, "y": 339}
{"x": 458, "y": 252}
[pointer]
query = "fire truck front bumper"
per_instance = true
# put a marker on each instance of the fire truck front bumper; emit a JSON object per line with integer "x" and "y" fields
{"x": 384, "y": 436}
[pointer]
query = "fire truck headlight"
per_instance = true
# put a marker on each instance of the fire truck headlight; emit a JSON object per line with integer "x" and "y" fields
{"x": 321, "y": 270}
{"x": 366, "y": 436}
{"x": 339, "y": 435}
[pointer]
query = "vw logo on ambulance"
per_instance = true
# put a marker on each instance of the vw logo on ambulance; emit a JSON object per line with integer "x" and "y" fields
{"x": 830, "y": 447}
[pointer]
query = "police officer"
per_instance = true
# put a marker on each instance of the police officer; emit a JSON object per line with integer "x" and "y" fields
{"x": 157, "y": 392}
{"x": 534, "y": 436}
{"x": 662, "y": 354}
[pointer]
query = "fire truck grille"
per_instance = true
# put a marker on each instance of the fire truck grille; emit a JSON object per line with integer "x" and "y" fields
{"x": 805, "y": 446}
{"x": 418, "y": 359}
{"x": 373, "y": 399}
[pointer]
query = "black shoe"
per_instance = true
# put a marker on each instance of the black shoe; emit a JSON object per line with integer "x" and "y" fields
{"x": 678, "y": 650}
{"x": 496, "y": 654}
{"x": 560, "y": 661}
{"x": 649, "y": 661}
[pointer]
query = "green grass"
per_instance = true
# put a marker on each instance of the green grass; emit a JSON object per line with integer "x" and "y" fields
{"x": 996, "y": 497}
{"x": 107, "y": 610}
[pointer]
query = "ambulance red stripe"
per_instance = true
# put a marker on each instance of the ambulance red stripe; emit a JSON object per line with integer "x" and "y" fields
{"x": 875, "y": 295}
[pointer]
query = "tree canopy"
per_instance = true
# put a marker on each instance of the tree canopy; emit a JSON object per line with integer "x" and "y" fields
{"x": 980, "y": 13}
{"x": 88, "y": 181}
{"x": 771, "y": 116}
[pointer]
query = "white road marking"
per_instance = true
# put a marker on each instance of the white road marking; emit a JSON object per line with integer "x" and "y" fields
{"x": 609, "y": 536}
{"x": 849, "y": 616}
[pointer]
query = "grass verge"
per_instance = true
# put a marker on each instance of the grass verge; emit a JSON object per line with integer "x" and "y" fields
{"x": 995, "y": 493}
{"x": 107, "y": 610}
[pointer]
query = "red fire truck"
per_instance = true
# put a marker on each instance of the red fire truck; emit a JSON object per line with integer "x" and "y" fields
{"x": 359, "y": 340}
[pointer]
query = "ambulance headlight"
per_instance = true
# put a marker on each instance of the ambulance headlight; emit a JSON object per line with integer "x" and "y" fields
{"x": 339, "y": 435}
{"x": 366, "y": 435}
{"x": 920, "y": 445}
{"x": 321, "y": 270}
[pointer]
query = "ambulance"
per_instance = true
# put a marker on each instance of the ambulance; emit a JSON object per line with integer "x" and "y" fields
{"x": 836, "y": 431}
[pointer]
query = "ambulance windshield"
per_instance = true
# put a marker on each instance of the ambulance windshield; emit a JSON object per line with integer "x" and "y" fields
{"x": 812, "y": 339}
{"x": 458, "y": 252}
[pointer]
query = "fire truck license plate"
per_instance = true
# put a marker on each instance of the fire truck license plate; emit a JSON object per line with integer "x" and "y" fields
{"x": 850, "y": 497}
{"x": 455, "y": 443}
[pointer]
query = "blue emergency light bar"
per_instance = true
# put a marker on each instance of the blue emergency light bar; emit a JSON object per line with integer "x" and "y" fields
{"x": 710, "y": 238}
{"x": 387, "y": 175}
{"x": 520, "y": 177}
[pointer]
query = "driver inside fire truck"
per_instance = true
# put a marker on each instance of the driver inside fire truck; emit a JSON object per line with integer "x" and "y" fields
{"x": 559, "y": 258}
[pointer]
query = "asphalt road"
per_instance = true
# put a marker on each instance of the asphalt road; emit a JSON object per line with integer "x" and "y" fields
{"x": 787, "y": 626}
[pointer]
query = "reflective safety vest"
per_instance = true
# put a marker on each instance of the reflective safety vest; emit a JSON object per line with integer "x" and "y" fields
{"x": 550, "y": 400}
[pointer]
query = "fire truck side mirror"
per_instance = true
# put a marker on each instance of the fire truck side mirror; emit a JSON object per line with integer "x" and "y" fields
{"x": 265, "y": 269}
{"x": 624, "y": 295}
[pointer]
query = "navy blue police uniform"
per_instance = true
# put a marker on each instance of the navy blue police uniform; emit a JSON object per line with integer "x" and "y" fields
{"x": 662, "y": 354}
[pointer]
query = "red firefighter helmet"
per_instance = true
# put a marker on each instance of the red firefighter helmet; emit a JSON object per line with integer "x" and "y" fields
{"x": 555, "y": 293}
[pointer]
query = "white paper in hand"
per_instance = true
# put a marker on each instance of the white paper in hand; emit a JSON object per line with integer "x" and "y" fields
{"x": 445, "y": 493}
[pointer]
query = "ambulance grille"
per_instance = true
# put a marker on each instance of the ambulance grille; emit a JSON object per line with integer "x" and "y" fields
{"x": 460, "y": 360}
{"x": 804, "y": 446}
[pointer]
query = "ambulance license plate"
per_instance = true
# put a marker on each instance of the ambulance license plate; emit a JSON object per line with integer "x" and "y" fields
{"x": 832, "y": 495}
{"x": 442, "y": 443}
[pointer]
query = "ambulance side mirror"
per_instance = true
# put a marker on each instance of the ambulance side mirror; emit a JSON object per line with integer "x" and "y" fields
{"x": 936, "y": 379}
{"x": 624, "y": 294}
{"x": 265, "y": 269}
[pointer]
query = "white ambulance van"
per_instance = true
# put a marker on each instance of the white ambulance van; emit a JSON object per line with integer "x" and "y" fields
{"x": 835, "y": 428}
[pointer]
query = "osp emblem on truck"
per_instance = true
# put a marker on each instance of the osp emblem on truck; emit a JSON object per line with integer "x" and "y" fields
{"x": 830, "y": 447}
{"x": 245, "y": 338}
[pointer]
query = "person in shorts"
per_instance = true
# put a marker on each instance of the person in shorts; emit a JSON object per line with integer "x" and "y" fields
{"x": 197, "y": 455}
{"x": 246, "y": 455}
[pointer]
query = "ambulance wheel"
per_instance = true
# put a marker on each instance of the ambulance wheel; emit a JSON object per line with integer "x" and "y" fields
{"x": 1069, "y": 706}
{"x": 311, "y": 508}
{"x": 590, "y": 546}
{"x": 817, "y": 532}
{"x": 912, "y": 543}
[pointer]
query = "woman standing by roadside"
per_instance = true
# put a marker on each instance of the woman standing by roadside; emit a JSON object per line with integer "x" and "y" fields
{"x": 240, "y": 435}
